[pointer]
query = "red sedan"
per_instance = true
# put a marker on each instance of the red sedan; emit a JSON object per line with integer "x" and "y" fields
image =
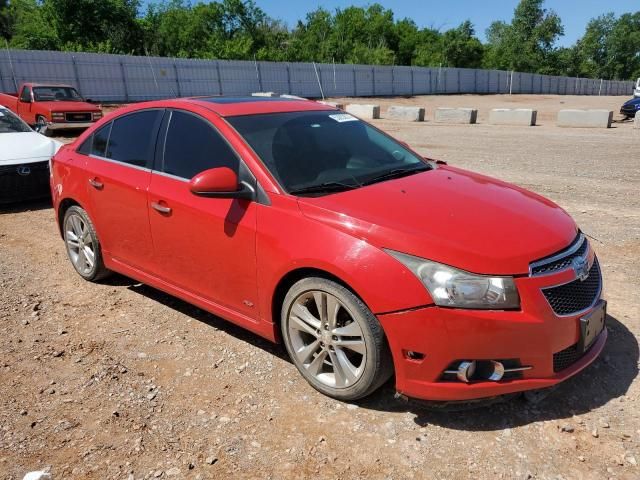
{"x": 309, "y": 226}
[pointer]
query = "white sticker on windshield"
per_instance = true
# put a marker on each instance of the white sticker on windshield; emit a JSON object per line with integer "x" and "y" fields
{"x": 343, "y": 117}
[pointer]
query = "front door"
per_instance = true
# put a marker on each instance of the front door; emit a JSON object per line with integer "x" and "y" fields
{"x": 205, "y": 246}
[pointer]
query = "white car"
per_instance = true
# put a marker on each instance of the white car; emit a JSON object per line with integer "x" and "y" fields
{"x": 636, "y": 92}
{"x": 24, "y": 159}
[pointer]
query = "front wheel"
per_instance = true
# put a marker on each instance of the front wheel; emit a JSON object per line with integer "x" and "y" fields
{"x": 41, "y": 126}
{"x": 334, "y": 340}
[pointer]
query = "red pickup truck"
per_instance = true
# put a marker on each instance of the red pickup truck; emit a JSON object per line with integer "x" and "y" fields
{"x": 51, "y": 107}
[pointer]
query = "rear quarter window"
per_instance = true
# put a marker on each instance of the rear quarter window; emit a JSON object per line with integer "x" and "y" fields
{"x": 100, "y": 140}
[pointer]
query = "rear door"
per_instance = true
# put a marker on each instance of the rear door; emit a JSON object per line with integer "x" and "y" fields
{"x": 205, "y": 246}
{"x": 119, "y": 172}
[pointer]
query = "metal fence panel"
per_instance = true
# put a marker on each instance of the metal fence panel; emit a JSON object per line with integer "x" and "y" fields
{"x": 123, "y": 78}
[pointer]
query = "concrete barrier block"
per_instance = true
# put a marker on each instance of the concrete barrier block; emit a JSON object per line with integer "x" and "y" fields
{"x": 515, "y": 116}
{"x": 585, "y": 118}
{"x": 332, "y": 104}
{"x": 363, "y": 111}
{"x": 408, "y": 114}
{"x": 264, "y": 94}
{"x": 636, "y": 122}
{"x": 456, "y": 115}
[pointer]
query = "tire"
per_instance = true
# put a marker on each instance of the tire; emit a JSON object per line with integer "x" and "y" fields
{"x": 80, "y": 239}
{"x": 347, "y": 335}
{"x": 41, "y": 126}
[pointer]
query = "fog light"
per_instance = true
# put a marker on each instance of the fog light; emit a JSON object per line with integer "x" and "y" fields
{"x": 465, "y": 371}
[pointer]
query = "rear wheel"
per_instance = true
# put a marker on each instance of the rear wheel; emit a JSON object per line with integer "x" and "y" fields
{"x": 334, "y": 340}
{"x": 83, "y": 246}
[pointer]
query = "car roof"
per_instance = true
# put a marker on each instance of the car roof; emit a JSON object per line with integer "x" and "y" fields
{"x": 236, "y": 106}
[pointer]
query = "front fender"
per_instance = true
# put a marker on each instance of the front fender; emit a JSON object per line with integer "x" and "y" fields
{"x": 288, "y": 241}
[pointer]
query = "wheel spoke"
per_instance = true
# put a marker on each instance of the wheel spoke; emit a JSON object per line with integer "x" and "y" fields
{"x": 81, "y": 260}
{"x": 342, "y": 368}
{"x": 71, "y": 235}
{"x": 315, "y": 367}
{"x": 72, "y": 242}
{"x": 76, "y": 224}
{"x": 89, "y": 256}
{"x": 321, "y": 305}
{"x": 302, "y": 319}
{"x": 355, "y": 345}
{"x": 333, "y": 305}
{"x": 306, "y": 352}
{"x": 350, "y": 330}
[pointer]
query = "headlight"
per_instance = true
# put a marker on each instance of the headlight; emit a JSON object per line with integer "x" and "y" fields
{"x": 450, "y": 287}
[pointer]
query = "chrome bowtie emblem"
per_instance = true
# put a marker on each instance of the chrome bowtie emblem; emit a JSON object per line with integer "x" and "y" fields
{"x": 23, "y": 171}
{"x": 581, "y": 267}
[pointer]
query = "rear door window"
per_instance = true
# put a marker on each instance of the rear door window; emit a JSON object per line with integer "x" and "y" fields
{"x": 133, "y": 138}
{"x": 192, "y": 145}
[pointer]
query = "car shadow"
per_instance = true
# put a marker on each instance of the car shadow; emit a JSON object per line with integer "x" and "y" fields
{"x": 25, "y": 206}
{"x": 606, "y": 379}
{"x": 198, "y": 314}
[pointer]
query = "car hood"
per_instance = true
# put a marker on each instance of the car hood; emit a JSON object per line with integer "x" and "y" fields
{"x": 633, "y": 101}
{"x": 17, "y": 147}
{"x": 451, "y": 216}
{"x": 70, "y": 106}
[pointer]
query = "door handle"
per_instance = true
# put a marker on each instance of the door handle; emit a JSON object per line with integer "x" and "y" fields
{"x": 96, "y": 184}
{"x": 160, "y": 208}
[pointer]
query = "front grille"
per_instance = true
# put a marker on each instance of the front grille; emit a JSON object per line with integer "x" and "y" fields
{"x": 14, "y": 186}
{"x": 559, "y": 261}
{"x": 565, "y": 358}
{"x": 575, "y": 296}
{"x": 78, "y": 117}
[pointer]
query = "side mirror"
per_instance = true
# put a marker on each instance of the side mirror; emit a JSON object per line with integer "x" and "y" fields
{"x": 221, "y": 182}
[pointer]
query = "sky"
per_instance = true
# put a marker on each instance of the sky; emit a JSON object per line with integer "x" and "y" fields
{"x": 445, "y": 14}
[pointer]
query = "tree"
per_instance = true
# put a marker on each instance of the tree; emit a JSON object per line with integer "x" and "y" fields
{"x": 29, "y": 28}
{"x": 527, "y": 43}
{"x": 106, "y": 25}
{"x": 610, "y": 47}
{"x": 4, "y": 19}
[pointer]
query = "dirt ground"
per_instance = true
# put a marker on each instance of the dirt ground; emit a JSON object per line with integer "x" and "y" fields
{"x": 120, "y": 381}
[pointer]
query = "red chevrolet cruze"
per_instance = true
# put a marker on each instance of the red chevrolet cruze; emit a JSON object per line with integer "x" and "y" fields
{"x": 309, "y": 226}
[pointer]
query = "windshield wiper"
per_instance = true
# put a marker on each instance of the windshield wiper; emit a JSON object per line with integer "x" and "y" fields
{"x": 397, "y": 173}
{"x": 324, "y": 187}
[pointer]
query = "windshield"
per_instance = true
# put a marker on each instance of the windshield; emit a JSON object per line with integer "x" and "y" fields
{"x": 56, "y": 94}
{"x": 10, "y": 123}
{"x": 320, "y": 152}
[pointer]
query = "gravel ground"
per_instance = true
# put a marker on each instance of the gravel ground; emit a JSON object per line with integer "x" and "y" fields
{"x": 120, "y": 381}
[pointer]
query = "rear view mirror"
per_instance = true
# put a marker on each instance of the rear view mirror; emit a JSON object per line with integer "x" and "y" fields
{"x": 221, "y": 182}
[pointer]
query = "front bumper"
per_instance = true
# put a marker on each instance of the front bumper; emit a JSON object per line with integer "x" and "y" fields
{"x": 441, "y": 336}
{"x": 68, "y": 125}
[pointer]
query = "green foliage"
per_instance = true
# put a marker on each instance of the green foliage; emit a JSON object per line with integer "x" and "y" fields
{"x": 610, "y": 47}
{"x": 4, "y": 19}
{"x": 239, "y": 29}
{"x": 527, "y": 43}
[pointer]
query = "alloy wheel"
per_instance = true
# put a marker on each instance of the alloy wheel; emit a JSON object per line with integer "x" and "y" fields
{"x": 80, "y": 244}
{"x": 326, "y": 339}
